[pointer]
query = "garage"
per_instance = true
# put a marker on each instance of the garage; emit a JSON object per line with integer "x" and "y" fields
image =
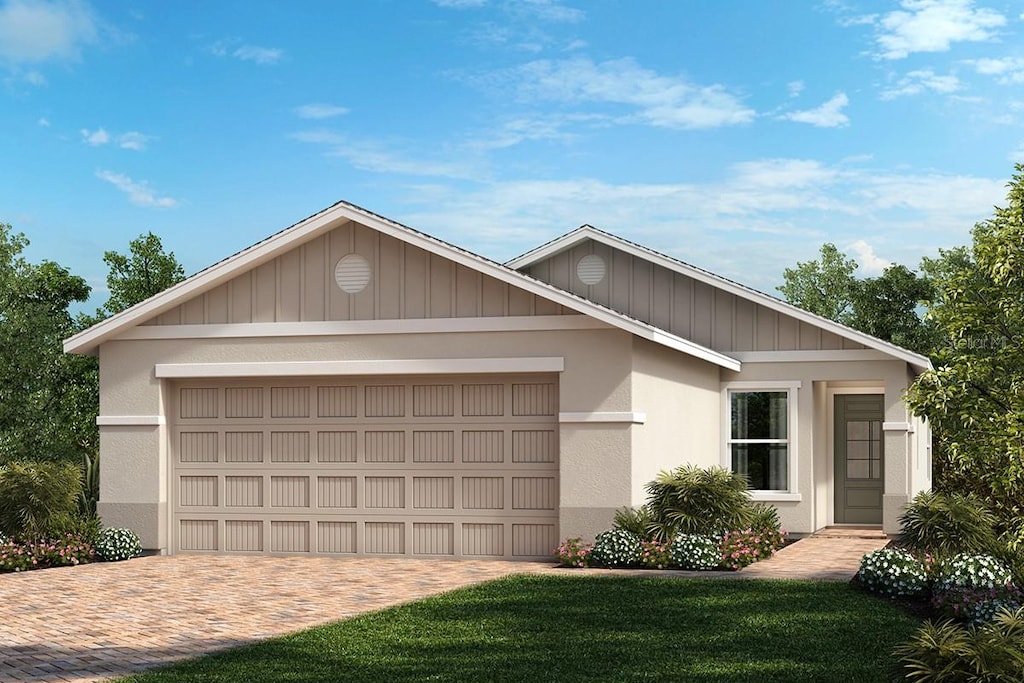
{"x": 456, "y": 466}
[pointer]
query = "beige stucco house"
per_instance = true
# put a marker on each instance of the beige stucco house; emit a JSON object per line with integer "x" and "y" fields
{"x": 351, "y": 385}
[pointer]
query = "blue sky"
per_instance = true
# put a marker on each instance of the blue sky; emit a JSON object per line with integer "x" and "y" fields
{"x": 738, "y": 136}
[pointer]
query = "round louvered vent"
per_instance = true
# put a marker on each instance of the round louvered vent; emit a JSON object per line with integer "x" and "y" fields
{"x": 590, "y": 269}
{"x": 352, "y": 273}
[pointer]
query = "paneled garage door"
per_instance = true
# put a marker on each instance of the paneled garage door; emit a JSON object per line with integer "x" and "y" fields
{"x": 449, "y": 467}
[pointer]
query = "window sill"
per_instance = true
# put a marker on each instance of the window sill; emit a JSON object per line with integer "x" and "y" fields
{"x": 776, "y": 497}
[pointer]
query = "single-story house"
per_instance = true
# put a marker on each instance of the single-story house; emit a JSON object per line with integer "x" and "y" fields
{"x": 351, "y": 385}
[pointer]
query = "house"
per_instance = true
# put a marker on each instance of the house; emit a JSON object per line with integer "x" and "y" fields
{"x": 351, "y": 385}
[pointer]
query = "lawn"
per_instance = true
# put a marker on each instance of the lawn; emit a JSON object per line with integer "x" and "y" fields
{"x": 571, "y": 628}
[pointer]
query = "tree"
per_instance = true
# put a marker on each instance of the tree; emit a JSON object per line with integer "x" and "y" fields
{"x": 146, "y": 270}
{"x": 975, "y": 395}
{"x": 824, "y": 287}
{"x": 885, "y": 306}
{"x": 42, "y": 391}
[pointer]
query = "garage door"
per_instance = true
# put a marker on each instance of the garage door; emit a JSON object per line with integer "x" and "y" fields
{"x": 440, "y": 467}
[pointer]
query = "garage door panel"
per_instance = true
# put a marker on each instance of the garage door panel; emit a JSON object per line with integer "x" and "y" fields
{"x": 466, "y": 467}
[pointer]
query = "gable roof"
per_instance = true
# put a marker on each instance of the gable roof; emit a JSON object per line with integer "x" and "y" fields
{"x": 89, "y": 340}
{"x": 585, "y": 232}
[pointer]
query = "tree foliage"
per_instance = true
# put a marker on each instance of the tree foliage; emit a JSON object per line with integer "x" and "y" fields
{"x": 144, "y": 271}
{"x": 47, "y": 399}
{"x": 885, "y": 306}
{"x": 975, "y": 395}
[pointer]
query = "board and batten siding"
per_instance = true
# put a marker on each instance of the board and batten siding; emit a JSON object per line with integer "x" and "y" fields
{"x": 682, "y": 305}
{"x": 405, "y": 282}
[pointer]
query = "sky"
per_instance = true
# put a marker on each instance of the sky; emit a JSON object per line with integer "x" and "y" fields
{"x": 738, "y": 136}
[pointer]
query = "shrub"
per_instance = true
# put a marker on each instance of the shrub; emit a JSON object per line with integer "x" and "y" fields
{"x": 696, "y": 551}
{"x": 37, "y": 498}
{"x": 892, "y": 572}
{"x": 977, "y": 605}
{"x": 573, "y": 552}
{"x": 90, "y": 493}
{"x": 947, "y": 523}
{"x": 693, "y": 500}
{"x": 616, "y": 548}
{"x": 654, "y": 555}
{"x": 949, "y": 651}
{"x": 743, "y": 548}
{"x": 637, "y": 521}
{"x": 67, "y": 550}
{"x": 763, "y": 517}
{"x": 118, "y": 544}
{"x": 971, "y": 571}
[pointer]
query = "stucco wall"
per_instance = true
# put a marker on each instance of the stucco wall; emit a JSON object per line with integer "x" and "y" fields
{"x": 595, "y": 463}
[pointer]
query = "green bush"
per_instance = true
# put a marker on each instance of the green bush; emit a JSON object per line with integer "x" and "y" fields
{"x": 892, "y": 572}
{"x": 949, "y": 651}
{"x": 972, "y": 571}
{"x": 616, "y": 548}
{"x": 692, "y": 500}
{"x": 637, "y": 521}
{"x": 38, "y": 499}
{"x": 89, "y": 496}
{"x": 763, "y": 517}
{"x": 948, "y": 523}
{"x": 115, "y": 545}
{"x": 696, "y": 551}
{"x": 654, "y": 555}
{"x": 743, "y": 548}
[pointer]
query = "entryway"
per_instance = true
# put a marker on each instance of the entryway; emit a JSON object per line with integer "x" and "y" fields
{"x": 858, "y": 448}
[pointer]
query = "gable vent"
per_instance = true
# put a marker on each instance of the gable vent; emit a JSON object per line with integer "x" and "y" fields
{"x": 590, "y": 269}
{"x": 352, "y": 273}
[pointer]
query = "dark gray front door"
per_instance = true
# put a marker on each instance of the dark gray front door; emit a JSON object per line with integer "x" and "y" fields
{"x": 859, "y": 458}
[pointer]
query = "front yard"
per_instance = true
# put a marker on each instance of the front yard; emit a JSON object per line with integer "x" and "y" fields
{"x": 571, "y": 628}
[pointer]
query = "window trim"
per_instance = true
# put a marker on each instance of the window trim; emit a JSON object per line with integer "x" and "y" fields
{"x": 791, "y": 387}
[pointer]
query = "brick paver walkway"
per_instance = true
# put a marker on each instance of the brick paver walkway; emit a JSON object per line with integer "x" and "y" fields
{"x": 98, "y": 621}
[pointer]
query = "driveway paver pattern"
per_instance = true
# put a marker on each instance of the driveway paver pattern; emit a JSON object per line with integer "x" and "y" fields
{"x": 104, "y": 620}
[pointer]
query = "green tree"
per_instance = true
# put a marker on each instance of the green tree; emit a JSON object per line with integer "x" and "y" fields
{"x": 825, "y": 286}
{"x": 42, "y": 391}
{"x": 975, "y": 395}
{"x": 144, "y": 271}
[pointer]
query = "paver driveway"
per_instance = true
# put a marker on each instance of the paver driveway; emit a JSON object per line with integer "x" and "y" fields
{"x": 107, "y": 619}
{"x": 102, "y": 620}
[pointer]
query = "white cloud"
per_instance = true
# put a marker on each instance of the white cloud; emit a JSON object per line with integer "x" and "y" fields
{"x": 33, "y": 31}
{"x": 868, "y": 262}
{"x": 133, "y": 140}
{"x": 260, "y": 55}
{"x": 44, "y": 122}
{"x": 95, "y": 138}
{"x": 1006, "y": 71}
{"x": 933, "y": 26}
{"x": 138, "y": 192}
{"x": 917, "y": 82}
{"x": 319, "y": 111}
{"x": 576, "y": 44}
{"x": 371, "y": 156}
{"x": 33, "y": 77}
{"x": 828, "y": 115}
{"x": 663, "y": 101}
{"x": 546, "y": 10}
{"x": 795, "y": 88}
{"x": 460, "y": 4}
{"x": 1017, "y": 155}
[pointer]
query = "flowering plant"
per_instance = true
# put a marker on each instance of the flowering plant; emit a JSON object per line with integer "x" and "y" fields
{"x": 616, "y": 548}
{"x": 972, "y": 571}
{"x": 654, "y": 554}
{"x": 573, "y": 552}
{"x": 118, "y": 544}
{"x": 892, "y": 572}
{"x": 69, "y": 550}
{"x": 742, "y": 548}
{"x": 977, "y": 605}
{"x": 696, "y": 551}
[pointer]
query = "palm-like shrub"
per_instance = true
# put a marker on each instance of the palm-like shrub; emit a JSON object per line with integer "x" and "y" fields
{"x": 951, "y": 651}
{"x": 692, "y": 500}
{"x": 38, "y": 498}
{"x": 638, "y": 521}
{"x": 948, "y": 523}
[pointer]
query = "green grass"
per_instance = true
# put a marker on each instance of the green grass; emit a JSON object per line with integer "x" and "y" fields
{"x": 530, "y": 628}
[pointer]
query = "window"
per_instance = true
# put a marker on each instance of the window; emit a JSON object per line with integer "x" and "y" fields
{"x": 759, "y": 441}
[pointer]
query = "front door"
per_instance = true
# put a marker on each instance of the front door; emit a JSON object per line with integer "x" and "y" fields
{"x": 859, "y": 458}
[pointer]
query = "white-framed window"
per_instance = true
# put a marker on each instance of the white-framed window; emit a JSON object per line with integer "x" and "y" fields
{"x": 760, "y": 423}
